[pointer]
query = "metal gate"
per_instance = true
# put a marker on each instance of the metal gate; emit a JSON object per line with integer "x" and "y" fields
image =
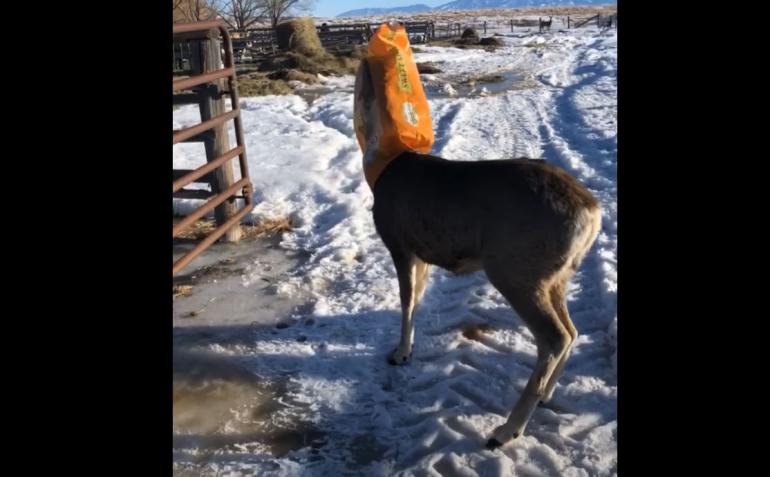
{"x": 200, "y": 31}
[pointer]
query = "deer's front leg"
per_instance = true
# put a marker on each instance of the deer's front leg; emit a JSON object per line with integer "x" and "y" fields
{"x": 406, "y": 269}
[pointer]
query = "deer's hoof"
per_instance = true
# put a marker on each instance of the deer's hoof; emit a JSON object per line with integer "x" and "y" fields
{"x": 399, "y": 357}
{"x": 500, "y": 437}
{"x": 493, "y": 444}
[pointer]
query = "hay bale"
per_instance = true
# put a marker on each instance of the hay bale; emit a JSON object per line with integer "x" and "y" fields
{"x": 299, "y": 36}
{"x": 469, "y": 33}
{"x": 468, "y": 37}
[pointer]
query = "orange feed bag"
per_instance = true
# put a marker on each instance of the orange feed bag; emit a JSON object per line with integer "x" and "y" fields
{"x": 403, "y": 115}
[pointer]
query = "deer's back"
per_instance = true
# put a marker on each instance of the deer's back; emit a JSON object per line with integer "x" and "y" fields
{"x": 456, "y": 214}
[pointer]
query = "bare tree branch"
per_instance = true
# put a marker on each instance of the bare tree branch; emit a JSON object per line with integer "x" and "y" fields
{"x": 192, "y": 10}
{"x": 276, "y": 9}
{"x": 240, "y": 14}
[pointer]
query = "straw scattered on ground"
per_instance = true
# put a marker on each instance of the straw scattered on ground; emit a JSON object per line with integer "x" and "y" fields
{"x": 202, "y": 228}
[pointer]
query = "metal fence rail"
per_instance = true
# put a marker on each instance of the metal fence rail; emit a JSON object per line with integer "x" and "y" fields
{"x": 203, "y": 131}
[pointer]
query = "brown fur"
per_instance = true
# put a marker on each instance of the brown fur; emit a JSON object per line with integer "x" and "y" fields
{"x": 460, "y": 215}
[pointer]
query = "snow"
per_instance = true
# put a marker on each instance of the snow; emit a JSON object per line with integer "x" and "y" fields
{"x": 433, "y": 416}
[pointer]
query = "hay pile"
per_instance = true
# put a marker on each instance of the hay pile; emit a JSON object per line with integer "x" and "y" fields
{"x": 293, "y": 75}
{"x": 302, "y": 59}
{"x": 427, "y": 68}
{"x": 491, "y": 41}
{"x": 470, "y": 40}
{"x": 304, "y": 53}
{"x": 259, "y": 84}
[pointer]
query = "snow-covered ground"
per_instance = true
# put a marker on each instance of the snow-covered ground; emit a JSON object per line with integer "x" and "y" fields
{"x": 327, "y": 367}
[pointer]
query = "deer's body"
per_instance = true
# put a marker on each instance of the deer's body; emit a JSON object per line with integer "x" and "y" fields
{"x": 546, "y": 24}
{"x": 461, "y": 215}
{"x": 526, "y": 223}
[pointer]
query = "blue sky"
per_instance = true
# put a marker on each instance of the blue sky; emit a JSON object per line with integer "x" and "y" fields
{"x": 329, "y": 8}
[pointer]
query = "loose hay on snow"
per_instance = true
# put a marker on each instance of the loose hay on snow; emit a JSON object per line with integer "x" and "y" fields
{"x": 182, "y": 290}
{"x": 268, "y": 226}
{"x": 325, "y": 64}
{"x": 258, "y": 84}
{"x": 293, "y": 75}
{"x": 202, "y": 228}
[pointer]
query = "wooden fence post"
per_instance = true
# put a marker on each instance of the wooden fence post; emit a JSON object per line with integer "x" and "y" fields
{"x": 208, "y": 56}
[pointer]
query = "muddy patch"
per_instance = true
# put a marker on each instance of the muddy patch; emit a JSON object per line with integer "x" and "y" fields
{"x": 483, "y": 85}
{"x": 221, "y": 407}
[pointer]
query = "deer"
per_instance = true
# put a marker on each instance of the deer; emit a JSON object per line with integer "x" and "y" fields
{"x": 545, "y": 24}
{"x": 526, "y": 223}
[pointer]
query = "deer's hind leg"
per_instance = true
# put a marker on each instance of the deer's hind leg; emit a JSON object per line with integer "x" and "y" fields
{"x": 533, "y": 304}
{"x": 557, "y": 295}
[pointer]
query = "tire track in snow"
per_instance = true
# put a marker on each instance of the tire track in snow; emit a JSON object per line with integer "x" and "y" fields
{"x": 573, "y": 144}
{"x": 493, "y": 127}
{"x": 576, "y": 145}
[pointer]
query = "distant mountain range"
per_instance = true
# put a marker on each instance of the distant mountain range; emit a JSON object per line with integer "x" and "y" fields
{"x": 482, "y": 4}
{"x": 382, "y": 11}
{"x": 473, "y": 5}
